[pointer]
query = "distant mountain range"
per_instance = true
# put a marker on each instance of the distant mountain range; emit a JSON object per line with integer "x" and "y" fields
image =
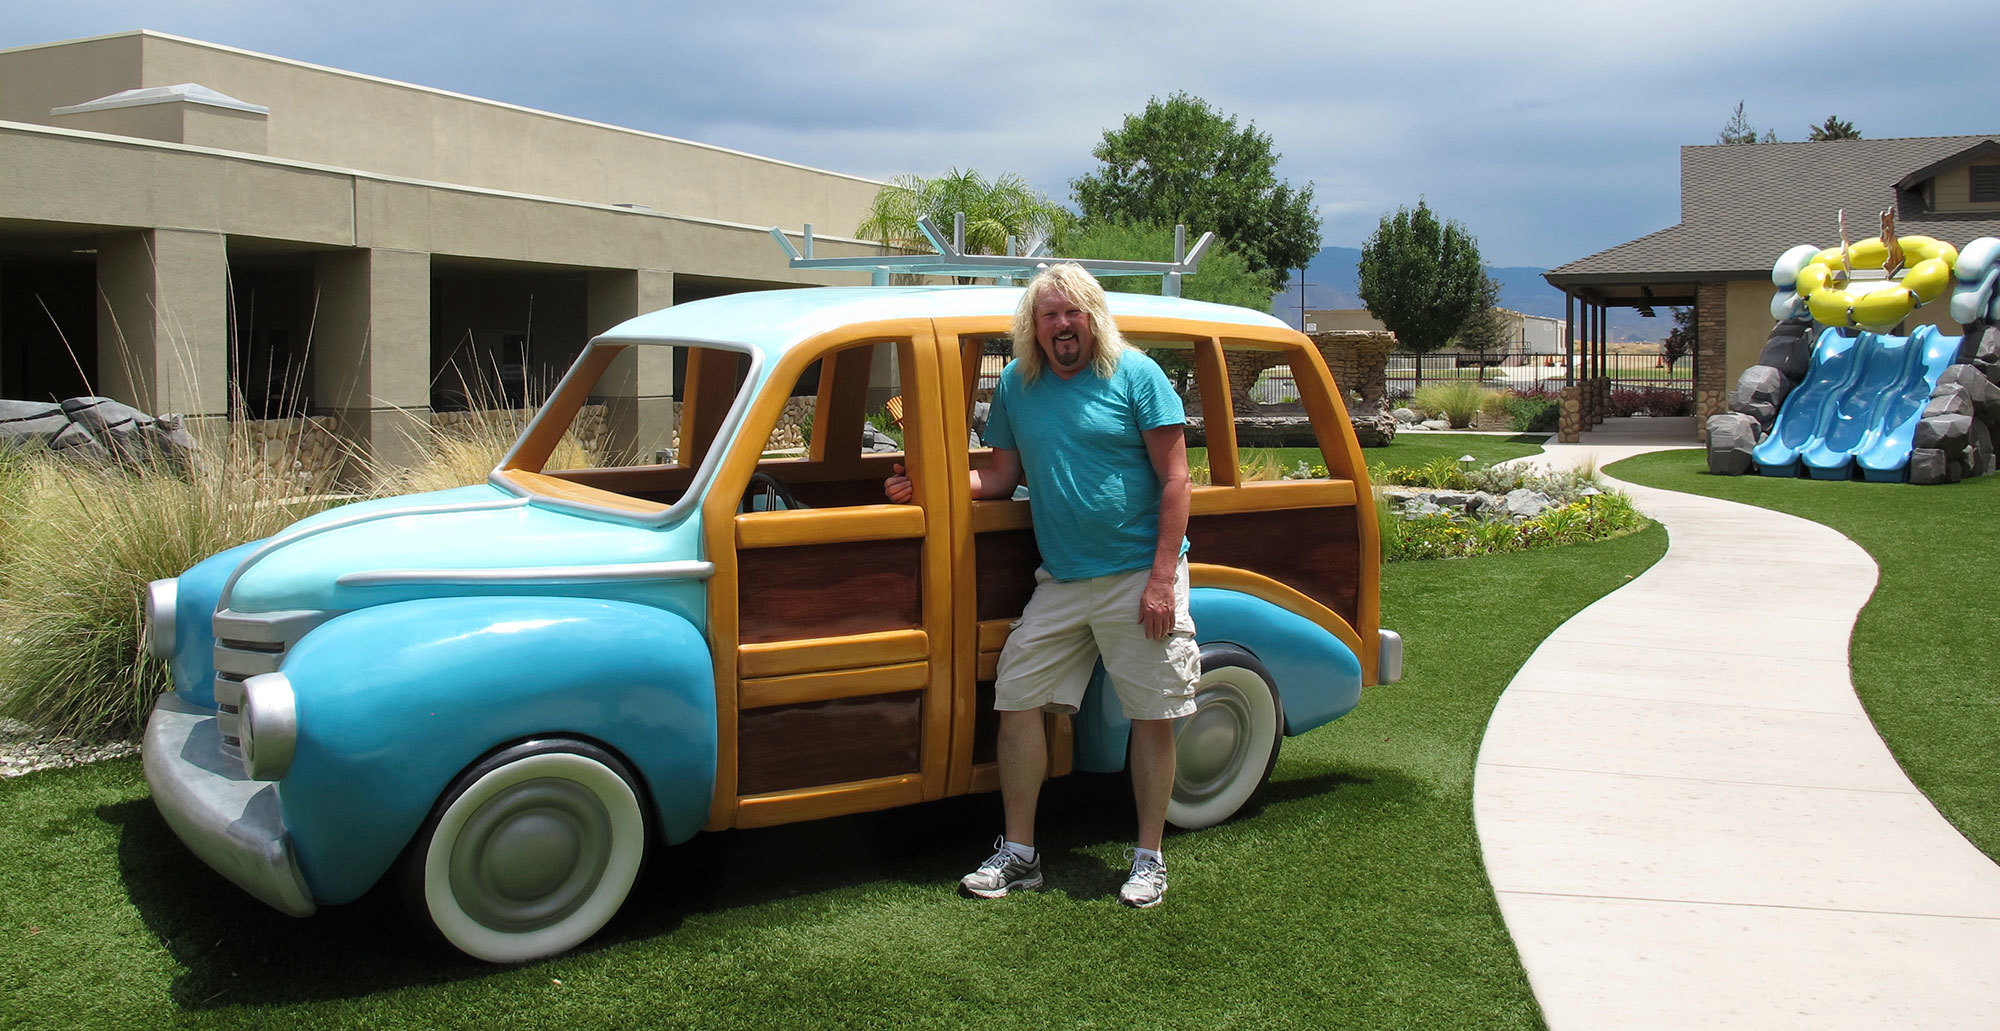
{"x": 1332, "y": 283}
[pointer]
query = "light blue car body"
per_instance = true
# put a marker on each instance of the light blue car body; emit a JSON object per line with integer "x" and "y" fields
{"x": 402, "y": 683}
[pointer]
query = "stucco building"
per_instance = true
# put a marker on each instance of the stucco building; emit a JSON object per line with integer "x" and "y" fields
{"x": 1528, "y": 334}
{"x": 1743, "y": 205}
{"x": 193, "y": 228}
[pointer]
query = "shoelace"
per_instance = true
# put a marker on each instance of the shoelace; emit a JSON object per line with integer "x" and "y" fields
{"x": 1001, "y": 858}
{"x": 1144, "y": 866}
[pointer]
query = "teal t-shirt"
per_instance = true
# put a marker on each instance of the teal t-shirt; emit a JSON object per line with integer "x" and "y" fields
{"x": 1091, "y": 483}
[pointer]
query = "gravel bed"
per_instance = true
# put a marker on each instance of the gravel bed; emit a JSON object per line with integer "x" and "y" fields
{"x": 25, "y": 749}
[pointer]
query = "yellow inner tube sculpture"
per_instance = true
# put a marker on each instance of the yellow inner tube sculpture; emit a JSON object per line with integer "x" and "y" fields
{"x": 1837, "y": 299}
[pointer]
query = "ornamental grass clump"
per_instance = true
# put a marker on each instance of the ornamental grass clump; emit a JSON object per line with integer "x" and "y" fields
{"x": 463, "y": 455}
{"x": 83, "y": 541}
{"x": 1457, "y": 402}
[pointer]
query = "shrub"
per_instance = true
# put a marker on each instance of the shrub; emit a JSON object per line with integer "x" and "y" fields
{"x": 1439, "y": 473}
{"x": 83, "y": 543}
{"x": 1456, "y": 402}
{"x": 1444, "y": 536}
{"x": 1659, "y": 402}
{"x": 1534, "y": 411}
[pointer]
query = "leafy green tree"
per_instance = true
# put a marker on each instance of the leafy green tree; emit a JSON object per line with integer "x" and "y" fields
{"x": 1225, "y": 276}
{"x": 1422, "y": 278}
{"x": 1182, "y": 161}
{"x": 994, "y": 210}
{"x": 1487, "y": 330}
{"x": 1833, "y": 128}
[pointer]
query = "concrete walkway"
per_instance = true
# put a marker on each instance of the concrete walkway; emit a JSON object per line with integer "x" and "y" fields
{"x": 1689, "y": 820}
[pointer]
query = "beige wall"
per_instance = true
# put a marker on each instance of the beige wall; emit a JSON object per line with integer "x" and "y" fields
{"x": 1953, "y": 190}
{"x": 344, "y": 119}
{"x": 162, "y": 320}
{"x": 369, "y": 184}
{"x": 1333, "y": 319}
{"x": 34, "y": 80}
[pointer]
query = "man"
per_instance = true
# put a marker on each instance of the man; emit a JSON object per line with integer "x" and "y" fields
{"x": 1097, "y": 429}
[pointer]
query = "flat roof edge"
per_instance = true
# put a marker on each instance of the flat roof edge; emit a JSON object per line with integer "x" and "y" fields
{"x": 363, "y": 76}
{"x": 31, "y": 128}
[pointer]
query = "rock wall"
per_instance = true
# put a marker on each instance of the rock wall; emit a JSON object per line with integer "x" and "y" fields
{"x": 305, "y": 454}
{"x": 1955, "y": 436}
{"x": 1359, "y": 361}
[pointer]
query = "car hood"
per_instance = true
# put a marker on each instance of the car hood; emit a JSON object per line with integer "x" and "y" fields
{"x": 466, "y": 541}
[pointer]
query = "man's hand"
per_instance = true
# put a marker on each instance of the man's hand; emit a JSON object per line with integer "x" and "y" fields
{"x": 898, "y": 486}
{"x": 1156, "y": 607}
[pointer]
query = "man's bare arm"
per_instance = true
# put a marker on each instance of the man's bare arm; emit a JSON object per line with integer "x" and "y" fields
{"x": 1167, "y": 447}
{"x": 998, "y": 480}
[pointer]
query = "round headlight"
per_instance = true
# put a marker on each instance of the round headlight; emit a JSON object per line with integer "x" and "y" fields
{"x": 269, "y": 725}
{"x": 161, "y": 596}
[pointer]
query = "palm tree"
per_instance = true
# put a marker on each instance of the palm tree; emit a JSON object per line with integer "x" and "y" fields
{"x": 994, "y": 211}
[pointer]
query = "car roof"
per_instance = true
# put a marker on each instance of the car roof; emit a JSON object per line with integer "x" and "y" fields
{"x": 773, "y": 321}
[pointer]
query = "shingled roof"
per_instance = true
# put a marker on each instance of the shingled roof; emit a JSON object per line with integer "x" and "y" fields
{"x": 1742, "y": 205}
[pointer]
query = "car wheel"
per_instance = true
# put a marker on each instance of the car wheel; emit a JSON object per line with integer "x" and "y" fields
{"x": 1225, "y": 751}
{"x": 531, "y": 852}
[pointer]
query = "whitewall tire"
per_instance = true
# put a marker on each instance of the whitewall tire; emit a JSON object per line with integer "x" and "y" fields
{"x": 532, "y": 852}
{"x": 1224, "y": 752}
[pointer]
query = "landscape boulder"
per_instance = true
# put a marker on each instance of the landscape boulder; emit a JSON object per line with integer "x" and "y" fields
{"x": 94, "y": 429}
{"x": 1731, "y": 437}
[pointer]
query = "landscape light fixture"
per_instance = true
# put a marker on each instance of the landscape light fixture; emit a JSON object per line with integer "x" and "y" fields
{"x": 1465, "y": 462}
{"x": 1589, "y": 495}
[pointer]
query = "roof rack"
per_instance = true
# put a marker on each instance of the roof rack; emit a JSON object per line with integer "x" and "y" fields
{"x": 951, "y": 259}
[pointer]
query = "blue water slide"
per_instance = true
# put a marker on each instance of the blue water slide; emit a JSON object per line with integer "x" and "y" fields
{"x": 1882, "y": 366}
{"x": 1802, "y": 417}
{"x": 1885, "y": 455}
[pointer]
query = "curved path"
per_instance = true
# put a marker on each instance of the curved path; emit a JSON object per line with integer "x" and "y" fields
{"x": 1690, "y": 822}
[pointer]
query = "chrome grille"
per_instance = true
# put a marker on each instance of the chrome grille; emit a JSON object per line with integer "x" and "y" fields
{"x": 246, "y": 644}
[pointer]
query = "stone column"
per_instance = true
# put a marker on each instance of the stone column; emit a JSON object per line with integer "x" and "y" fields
{"x": 1359, "y": 361}
{"x": 1569, "y": 425}
{"x": 371, "y": 350}
{"x": 163, "y": 324}
{"x": 1711, "y": 349}
{"x": 639, "y": 387}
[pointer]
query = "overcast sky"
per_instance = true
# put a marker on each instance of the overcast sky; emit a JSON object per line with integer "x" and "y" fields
{"x": 1551, "y": 130}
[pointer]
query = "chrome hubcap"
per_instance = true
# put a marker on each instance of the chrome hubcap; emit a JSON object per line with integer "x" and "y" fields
{"x": 1213, "y": 744}
{"x": 531, "y": 855}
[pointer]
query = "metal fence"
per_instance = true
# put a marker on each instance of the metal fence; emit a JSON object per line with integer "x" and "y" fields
{"x": 1536, "y": 371}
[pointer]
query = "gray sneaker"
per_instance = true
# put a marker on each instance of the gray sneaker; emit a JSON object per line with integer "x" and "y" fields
{"x": 1001, "y": 873}
{"x": 1148, "y": 882}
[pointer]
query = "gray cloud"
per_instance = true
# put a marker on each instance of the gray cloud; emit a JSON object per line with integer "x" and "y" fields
{"x": 1552, "y": 130}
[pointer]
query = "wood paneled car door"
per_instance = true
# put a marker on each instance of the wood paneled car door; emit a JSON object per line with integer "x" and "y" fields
{"x": 830, "y": 607}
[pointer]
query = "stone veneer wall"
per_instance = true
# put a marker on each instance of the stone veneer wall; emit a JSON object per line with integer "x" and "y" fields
{"x": 589, "y": 426}
{"x": 1711, "y": 363}
{"x": 1359, "y": 361}
{"x": 306, "y": 453}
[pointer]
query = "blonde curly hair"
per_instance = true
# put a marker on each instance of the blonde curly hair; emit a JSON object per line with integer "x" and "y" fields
{"x": 1083, "y": 290}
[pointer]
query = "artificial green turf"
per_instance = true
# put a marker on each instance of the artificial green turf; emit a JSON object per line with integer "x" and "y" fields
{"x": 1352, "y": 895}
{"x": 1924, "y": 652}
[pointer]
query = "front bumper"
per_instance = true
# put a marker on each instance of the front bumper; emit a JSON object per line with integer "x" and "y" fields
{"x": 226, "y": 819}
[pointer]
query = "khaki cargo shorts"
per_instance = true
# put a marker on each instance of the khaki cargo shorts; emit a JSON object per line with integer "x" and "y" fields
{"x": 1067, "y": 627}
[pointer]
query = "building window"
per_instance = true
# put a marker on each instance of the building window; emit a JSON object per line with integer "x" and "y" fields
{"x": 1985, "y": 183}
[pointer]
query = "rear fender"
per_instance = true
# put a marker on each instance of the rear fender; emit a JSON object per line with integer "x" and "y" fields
{"x": 1318, "y": 677}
